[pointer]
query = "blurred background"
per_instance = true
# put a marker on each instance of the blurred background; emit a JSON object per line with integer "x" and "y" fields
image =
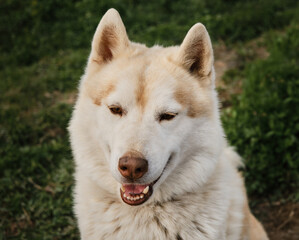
{"x": 44, "y": 47}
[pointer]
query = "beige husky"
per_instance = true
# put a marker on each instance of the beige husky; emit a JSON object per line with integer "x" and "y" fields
{"x": 151, "y": 157}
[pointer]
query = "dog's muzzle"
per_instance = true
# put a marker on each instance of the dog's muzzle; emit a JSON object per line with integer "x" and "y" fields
{"x": 133, "y": 168}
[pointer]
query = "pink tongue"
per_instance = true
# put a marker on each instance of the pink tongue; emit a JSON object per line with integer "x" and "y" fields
{"x": 134, "y": 189}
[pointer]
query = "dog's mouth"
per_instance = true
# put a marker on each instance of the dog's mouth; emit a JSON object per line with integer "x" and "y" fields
{"x": 136, "y": 194}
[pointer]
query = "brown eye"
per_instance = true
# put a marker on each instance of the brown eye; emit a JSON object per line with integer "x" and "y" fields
{"x": 116, "y": 110}
{"x": 167, "y": 116}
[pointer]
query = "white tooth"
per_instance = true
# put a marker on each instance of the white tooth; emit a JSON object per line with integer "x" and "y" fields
{"x": 145, "y": 191}
{"x": 137, "y": 198}
{"x": 134, "y": 198}
{"x": 125, "y": 195}
{"x": 141, "y": 195}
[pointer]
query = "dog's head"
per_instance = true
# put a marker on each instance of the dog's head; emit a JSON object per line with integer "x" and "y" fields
{"x": 149, "y": 114}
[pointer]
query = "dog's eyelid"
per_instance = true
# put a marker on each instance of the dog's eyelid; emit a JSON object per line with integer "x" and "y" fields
{"x": 171, "y": 113}
{"x": 167, "y": 116}
{"x": 116, "y": 109}
{"x": 113, "y": 105}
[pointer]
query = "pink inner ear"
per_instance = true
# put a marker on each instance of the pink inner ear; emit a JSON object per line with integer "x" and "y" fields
{"x": 107, "y": 43}
{"x": 196, "y": 55}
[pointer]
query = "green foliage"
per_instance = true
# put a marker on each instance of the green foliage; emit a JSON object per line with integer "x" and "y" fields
{"x": 264, "y": 121}
{"x": 31, "y": 29}
{"x": 35, "y": 159}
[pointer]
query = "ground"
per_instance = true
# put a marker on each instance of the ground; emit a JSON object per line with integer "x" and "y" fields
{"x": 281, "y": 221}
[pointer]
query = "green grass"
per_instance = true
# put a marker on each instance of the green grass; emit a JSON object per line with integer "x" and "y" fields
{"x": 44, "y": 46}
{"x": 36, "y": 163}
{"x": 32, "y": 29}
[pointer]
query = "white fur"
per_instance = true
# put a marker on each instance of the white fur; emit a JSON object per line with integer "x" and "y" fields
{"x": 199, "y": 194}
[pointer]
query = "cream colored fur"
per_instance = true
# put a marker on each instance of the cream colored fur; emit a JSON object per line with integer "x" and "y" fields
{"x": 200, "y": 194}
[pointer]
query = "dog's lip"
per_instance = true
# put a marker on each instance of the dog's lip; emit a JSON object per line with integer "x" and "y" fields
{"x": 143, "y": 197}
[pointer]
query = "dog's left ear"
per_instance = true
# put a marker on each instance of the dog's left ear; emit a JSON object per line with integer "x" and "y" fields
{"x": 110, "y": 38}
{"x": 196, "y": 53}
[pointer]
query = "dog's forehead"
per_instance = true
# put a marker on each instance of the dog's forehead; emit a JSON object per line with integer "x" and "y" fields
{"x": 148, "y": 68}
{"x": 149, "y": 76}
{"x": 145, "y": 73}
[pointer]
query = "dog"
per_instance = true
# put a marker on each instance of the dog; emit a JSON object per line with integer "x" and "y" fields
{"x": 151, "y": 157}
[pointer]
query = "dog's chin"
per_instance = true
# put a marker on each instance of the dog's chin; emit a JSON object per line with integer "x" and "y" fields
{"x": 136, "y": 194}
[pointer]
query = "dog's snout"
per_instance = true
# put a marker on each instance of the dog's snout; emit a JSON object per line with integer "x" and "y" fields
{"x": 132, "y": 167}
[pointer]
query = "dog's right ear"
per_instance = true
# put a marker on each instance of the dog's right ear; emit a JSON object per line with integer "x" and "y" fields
{"x": 109, "y": 39}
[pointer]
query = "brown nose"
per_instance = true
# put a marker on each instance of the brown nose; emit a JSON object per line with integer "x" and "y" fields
{"x": 132, "y": 167}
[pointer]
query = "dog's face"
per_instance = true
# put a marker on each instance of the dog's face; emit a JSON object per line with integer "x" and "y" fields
{"x": 152, "y": 108}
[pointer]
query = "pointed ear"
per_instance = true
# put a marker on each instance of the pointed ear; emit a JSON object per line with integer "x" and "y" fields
{"x": 196, "y": 53}
{"x": 109, "y": 39}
